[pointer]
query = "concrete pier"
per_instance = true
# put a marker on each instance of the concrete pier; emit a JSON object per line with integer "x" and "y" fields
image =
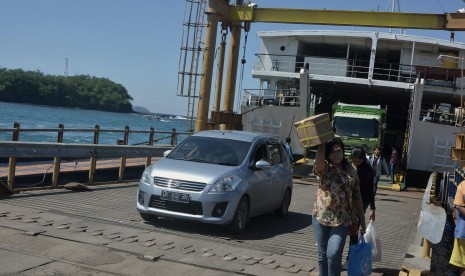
{"x": 99, "y": 232}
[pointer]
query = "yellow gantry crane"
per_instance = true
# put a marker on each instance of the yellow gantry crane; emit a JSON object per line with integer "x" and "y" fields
{"x": 235, "y": 17}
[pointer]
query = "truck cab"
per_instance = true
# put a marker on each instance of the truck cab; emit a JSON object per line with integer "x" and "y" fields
{"x": 358, "y": 125}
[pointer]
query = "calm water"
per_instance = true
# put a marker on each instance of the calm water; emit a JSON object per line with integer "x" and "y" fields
{"x": 32, "y": 116}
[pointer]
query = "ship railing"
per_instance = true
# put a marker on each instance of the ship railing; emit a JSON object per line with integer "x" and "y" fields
{"x": 276, "y": 97}
{"x": 342, "y": 67}
{"x": 52, "y": 158}
{"x": 443, "y": 114}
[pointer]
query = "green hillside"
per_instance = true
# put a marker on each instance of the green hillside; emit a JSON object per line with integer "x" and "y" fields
{"x": 81, "y": 91}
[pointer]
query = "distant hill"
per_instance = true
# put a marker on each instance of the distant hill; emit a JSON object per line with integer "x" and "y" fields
{"x": 140, "y": 109}
{"x": 80, "y": 91}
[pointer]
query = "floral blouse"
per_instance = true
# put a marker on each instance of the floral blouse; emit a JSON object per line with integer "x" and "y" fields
{"x": 331, "y": 207}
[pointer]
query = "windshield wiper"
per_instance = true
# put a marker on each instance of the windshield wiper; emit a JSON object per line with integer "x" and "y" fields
{"x": 197, "y": 160}
{"x": 225, "y": 163}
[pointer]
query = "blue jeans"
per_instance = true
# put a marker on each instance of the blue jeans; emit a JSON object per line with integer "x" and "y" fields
{"x": 331, "y": 241}
{"x": 375, "y": 185}
{"x": 392, "y": 169}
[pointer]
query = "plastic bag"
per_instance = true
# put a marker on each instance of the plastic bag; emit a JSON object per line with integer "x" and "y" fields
{"x": 371, "y": 235}
{"x": 360, "y": 258}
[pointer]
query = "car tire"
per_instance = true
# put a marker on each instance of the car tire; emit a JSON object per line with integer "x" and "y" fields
{"x": 147, "y": 217}
{"x": 240, "y": 217}
{"x": 283, "y": 209}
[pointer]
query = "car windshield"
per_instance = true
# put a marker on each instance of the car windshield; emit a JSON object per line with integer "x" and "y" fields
{"x": 356, "y": 127}
{"x": 211, "y": 150}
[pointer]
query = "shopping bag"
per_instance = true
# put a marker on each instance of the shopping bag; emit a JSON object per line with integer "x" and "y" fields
{"x": 459, "y": 232}
{"x": 371, "y": 235}
{"x": 360, "y": 258}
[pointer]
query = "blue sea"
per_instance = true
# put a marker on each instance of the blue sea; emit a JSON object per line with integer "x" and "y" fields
{"x": 40, "y": 117}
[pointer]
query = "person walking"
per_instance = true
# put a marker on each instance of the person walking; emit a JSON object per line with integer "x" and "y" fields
{"x": 338, "y": 202}
{"x": 288, "y": 148}
{"x": 379, "y": 164}
{"x": 393, "y": 162}
{"x": 458, "y": 252}
{"x": 365, "y": 148}
{"x": 366, "y": 176}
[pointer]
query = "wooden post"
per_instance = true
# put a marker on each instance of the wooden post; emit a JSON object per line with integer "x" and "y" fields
{"x": 148, "y": 160}
{"x": 426, "y": 252}
{"x": 12, "y": 160}
{"x": 57, "y": 160}
{"x": 122, "y": 163}
{"x": 174, "y": 138}
{"x": 93, "y": 159}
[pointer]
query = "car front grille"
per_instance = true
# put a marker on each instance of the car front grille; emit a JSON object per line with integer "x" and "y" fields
{"x": 193, "y": 207}
{"x": 179, "y": 184}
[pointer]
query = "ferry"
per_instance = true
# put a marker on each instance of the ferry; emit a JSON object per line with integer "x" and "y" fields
{"x": 417, "y": 79}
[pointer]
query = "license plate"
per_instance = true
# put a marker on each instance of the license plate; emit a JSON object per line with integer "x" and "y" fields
{"x": 174, "y": 196}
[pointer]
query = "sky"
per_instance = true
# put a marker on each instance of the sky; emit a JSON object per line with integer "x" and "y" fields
{"x": 137, "y": 43}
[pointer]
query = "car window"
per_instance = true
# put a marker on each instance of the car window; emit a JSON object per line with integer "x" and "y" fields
{"x": 260, "y": 154}
{"x": 211, "y": 150}
{"x": 270, "y": 152}
{"x": 275, "y": 154}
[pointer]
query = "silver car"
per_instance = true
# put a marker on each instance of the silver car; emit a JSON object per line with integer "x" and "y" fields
{"x": 218, "y": 177}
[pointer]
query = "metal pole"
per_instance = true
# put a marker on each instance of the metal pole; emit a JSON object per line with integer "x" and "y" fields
{"x": 231, "y": 75}
{"x": 461, "y": 92}
{"x": 207, "y": 69}
{"x": 219, "y": 76}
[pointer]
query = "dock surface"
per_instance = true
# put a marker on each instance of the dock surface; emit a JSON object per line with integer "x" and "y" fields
{"x": 99, "y": 232}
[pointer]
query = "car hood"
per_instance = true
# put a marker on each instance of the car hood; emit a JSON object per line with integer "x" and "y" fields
{"x": 191, "y": 171}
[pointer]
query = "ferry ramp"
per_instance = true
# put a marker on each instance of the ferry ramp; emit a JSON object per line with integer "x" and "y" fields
{"x": 292, "y": 237}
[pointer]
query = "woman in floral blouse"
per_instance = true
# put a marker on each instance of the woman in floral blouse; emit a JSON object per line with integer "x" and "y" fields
{"x": 338, "y": 200}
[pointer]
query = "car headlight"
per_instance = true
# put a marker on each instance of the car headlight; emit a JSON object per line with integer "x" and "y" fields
{"x": 146, "y": 177}
{"x": 226, "y": 184}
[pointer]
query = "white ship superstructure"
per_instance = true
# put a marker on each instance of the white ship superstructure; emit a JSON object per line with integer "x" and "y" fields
{"x": 302, "y": 73}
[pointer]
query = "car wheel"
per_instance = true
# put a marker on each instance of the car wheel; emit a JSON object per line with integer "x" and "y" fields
{"x": 147, "y": 217}
{"x": 240, "y": 217}
{"x": 283, "y": 209}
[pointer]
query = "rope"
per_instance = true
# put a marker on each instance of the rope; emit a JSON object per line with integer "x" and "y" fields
{"x": 243, "y": 61}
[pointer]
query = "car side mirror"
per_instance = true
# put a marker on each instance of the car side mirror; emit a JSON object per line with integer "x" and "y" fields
{"x": 166, "y": 153}
{"x": 263, "y": 165}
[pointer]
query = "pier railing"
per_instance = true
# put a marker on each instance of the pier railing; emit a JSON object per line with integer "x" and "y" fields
{"x": 58, "y": 151}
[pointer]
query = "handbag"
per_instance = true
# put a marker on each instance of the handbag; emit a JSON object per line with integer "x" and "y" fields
{"x": 371, "y": 236}
{"x": 360, "y": 258}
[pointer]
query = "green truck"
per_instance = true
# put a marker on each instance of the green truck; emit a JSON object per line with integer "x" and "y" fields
{"x": 357, "y": 125}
